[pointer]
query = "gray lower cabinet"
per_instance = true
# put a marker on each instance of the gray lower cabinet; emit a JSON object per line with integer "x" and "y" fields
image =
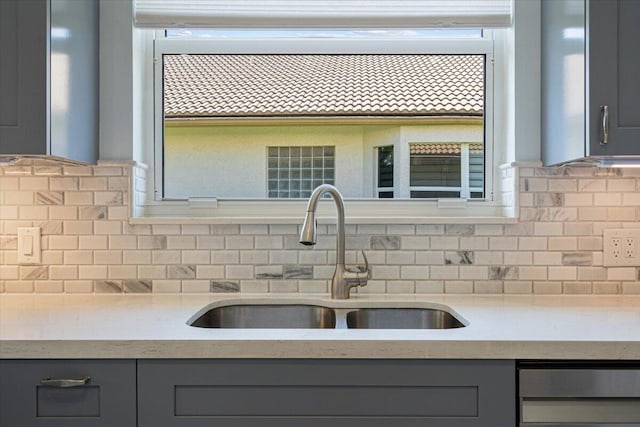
{"x": 57, "y": 393}
{"x": 336, "y": 393}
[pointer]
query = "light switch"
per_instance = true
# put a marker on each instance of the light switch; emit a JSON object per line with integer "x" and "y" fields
{"x": 29, "y": 248}
{"x": 28, "y": 245}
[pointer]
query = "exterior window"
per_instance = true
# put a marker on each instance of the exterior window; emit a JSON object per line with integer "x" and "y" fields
{"x": 447, "y": 170}
{"x": 476, "y": 171}
{"x": 434, "y": 176}
{"x": 274, "y": 120}
{"x": 385, "y": 172}
{"x": 295, "y": 171}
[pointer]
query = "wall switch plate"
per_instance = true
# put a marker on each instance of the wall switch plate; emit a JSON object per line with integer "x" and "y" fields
{"x": 29, "y": 245}
{"x": 621, "y": 247}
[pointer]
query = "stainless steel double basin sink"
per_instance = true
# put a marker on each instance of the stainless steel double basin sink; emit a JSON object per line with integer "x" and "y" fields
{"x": 294, "y": 315}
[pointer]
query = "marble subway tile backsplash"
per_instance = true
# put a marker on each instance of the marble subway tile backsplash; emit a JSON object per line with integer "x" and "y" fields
{"x": 90, "y": 247}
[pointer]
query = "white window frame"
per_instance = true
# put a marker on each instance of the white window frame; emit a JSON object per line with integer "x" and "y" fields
{"x": 376, "y": 173}
{"x": 405, "y": 164}
{"x": 465, "y": 189}
{"x": 358, "y": 210}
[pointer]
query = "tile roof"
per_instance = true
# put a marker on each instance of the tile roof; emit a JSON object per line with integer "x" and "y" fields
{"x": 323, "y": 85}
{"x": 442, "y": 149}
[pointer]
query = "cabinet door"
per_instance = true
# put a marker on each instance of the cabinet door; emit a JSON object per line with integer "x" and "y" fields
{"x": 336, "y": 393}
{"x": 75, "y": 79}
{"x": 107, "y": 398}
{"x": 614, "y": 66}
{"x": 23, "y": 77}
{"x": 563, "y": 106}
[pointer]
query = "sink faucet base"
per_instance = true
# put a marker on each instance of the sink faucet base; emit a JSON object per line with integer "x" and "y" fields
{"x": 343, "y": 278}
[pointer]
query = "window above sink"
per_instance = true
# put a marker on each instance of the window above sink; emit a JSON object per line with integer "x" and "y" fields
{"x": 481, "y": 198}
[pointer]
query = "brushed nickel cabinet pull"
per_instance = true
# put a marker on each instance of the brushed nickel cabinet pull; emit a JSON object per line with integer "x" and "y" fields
{"x": 64, "y": 382}
{"x": 604, "y": 112}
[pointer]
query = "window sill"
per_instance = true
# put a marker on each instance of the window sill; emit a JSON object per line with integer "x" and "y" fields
{"x": 358, "y": 211}
{"x": 292, "y": 212}
{"x": 354, "y": 220}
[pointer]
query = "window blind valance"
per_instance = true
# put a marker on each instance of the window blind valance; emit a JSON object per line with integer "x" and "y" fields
{"x": 323, "y": 13}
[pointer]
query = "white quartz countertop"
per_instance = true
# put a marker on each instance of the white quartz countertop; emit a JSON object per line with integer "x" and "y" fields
{"x": 155, "y": 326}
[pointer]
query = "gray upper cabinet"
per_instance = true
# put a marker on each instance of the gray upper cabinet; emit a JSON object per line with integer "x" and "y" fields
{"x": 590, "y": 85}
{"x": 23, "y": 77}
{"x": 49, "y": 78}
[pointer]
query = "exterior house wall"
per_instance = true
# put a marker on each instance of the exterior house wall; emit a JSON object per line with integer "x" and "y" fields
{"x": 443, "y": 133}
{"x": 230, "y": 161}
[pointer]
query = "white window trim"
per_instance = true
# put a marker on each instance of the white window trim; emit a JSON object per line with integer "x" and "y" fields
{"x": 465, "y": 188}
{"x": 376, "y": 173}
{"x": 321, "y": 14}
{"x": 465, "y": 191}
{"x": 358, "y": 210}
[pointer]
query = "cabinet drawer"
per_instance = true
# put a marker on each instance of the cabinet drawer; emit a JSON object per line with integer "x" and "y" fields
{"x": 67, "y": 393}
{"x": 340, "y": 393}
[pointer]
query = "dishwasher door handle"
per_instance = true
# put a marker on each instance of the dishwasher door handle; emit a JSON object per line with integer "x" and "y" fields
{"x": 579, "y": 397}
{"x": 584, "y": 383}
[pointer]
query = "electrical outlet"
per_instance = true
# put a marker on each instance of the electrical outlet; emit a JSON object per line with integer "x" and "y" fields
{"x": 629, "y": 247}
{"x": 616, "y": 247}
{"x": 620, "y": 247}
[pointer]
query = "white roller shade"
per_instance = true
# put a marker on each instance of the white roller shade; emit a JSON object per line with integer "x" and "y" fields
{"x": 323, "y": 14}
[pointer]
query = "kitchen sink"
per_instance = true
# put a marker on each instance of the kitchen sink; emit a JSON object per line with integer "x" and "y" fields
{"x": 306, "y": 315}
{"x": 267, "y": 316}
{"x": 401, "y": 318}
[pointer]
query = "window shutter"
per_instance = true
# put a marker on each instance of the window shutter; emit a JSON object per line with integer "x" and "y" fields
{"x": 250, "y": 14}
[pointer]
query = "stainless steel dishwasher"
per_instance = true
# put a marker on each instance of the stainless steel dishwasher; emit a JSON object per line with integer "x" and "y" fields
{"x": 579, "y": 394}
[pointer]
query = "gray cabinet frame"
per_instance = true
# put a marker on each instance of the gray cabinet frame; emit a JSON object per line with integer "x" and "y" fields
{"x": 108, "y": 399}
{"x": 49, "y": 78}
{"x": 589, "y": 60}
{"x": 337, "y": 393}
{"x": 24, "y": 86}
{"x": 613, "y": 57}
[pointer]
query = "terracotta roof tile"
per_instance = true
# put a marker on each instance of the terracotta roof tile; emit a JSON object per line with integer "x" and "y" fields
{"x": 442, "y": 149}
{"x": 323, "y": 85}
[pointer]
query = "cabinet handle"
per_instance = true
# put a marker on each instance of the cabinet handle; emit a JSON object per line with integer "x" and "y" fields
{"x": 64, "y": 382}
{"x": 604, "y": 112}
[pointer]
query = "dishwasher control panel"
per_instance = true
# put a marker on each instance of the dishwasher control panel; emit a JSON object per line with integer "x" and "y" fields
{"x": 579, "y": 394}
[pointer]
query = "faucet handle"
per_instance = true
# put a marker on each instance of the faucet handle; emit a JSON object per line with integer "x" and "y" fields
{"x": 366, "y": 264}
{"x": 359, "y": 275}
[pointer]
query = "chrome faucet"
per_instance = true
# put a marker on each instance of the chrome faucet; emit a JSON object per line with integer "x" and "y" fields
{"x": 344, "y": 278}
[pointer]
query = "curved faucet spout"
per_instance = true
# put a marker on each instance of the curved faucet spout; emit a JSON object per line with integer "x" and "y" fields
{"x": 310, "y": 225}
{"x": 343, "y": 279}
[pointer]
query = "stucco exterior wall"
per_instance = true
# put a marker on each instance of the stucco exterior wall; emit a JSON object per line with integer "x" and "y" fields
{"x": 231, "y": 161}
